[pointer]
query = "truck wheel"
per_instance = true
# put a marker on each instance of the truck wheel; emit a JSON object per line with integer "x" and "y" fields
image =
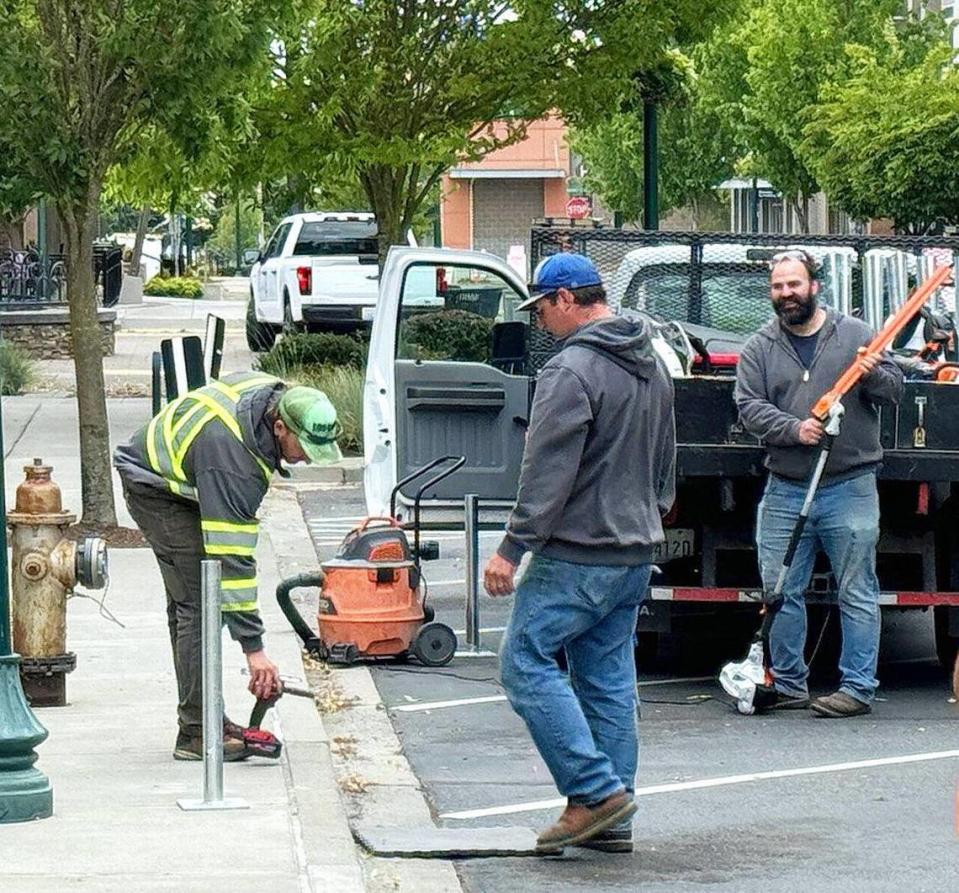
{"x": 259, "y": 335}
{"x": 290, "y": 326}
{"x": 947, "y": 647}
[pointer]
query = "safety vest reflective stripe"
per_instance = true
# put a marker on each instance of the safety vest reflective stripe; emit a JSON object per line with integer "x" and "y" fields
{"x": 242, "y": 592}
{"x": 170, "y": 433}
{"x": 228, "y": 538}
{"x": 238, "y": 606}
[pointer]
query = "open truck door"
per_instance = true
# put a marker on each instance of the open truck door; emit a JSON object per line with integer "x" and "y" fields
{"x": 446, "y": 376}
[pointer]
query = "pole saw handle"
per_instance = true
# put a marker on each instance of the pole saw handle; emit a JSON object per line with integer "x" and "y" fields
{"x": 848, "y": 380}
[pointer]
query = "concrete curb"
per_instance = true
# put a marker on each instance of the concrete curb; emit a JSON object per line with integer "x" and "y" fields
{"x": 374, "y": 776}
{"x": 349, "y": 471}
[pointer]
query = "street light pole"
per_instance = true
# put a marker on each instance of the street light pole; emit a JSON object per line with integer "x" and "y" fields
{"x": 25, "y": 792}
{"x": 650, "y": 166}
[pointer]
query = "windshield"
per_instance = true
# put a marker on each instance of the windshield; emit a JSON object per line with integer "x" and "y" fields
{"x": 734, "y": 300}
{"x": 327, "y": 237}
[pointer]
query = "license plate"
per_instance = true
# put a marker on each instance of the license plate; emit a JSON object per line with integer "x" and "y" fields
{"x": 679, "y": 543}
{"x": 368, "y": 313}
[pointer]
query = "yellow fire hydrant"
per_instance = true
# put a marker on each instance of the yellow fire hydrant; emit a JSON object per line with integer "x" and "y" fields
{"x": 45, "y": 568}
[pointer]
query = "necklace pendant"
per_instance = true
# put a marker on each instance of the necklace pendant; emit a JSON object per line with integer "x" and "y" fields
{"x": 805, "y": 375}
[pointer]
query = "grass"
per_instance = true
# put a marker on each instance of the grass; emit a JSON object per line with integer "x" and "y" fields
{"x": 344, "y": 387}
{"x": 17, "y": 369}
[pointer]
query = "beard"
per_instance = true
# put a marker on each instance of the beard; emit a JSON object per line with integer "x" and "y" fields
{"x": 795, "y": 310}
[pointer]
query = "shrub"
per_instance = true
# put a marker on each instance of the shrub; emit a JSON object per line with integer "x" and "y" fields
{"x": 17, "y": 370}
{"x": 344, "y": 386}
{"x": 448, "y": 335}
{"x": 293, "y": 352}
{"x": 174, "y": 287}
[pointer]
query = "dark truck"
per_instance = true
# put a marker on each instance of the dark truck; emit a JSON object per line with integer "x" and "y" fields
{"x": 452, "y": 368}
{"x": 717, "y": 286}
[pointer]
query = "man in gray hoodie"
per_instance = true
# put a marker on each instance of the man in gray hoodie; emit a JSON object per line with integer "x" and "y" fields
{"x": 783, "y": 370}
{"x": 597, "y": 477}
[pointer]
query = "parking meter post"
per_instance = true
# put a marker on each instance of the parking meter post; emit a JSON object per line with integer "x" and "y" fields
{"x": 25, "y": 792}
{"x": 212, "y": 648}
{"x": 471, "y": 502}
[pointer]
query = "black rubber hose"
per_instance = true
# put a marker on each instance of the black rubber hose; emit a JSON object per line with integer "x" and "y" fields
{"x": 300, "y": 626}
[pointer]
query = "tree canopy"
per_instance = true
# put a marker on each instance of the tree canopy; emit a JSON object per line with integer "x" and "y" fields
{"x": 80, "y": 83}
{"x": 885, "y": 142}
{"x": 396, "y": 93}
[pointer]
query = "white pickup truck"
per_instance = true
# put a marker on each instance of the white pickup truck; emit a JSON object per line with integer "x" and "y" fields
{"x": 318, "y": 272}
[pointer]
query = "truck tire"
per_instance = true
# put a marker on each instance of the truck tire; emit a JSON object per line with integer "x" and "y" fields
{"x": 290, "y": 325}
{"x": 947, "y": 646}
{"x": 260, "y": 336}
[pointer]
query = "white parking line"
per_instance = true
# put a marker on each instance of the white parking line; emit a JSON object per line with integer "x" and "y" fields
{"x": 492, "y": 699}
{"x": 536, "y": 805}
{"x": 483, "y": 629}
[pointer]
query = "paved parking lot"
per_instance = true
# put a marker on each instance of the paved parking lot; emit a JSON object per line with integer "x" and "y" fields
{"x": 726, "y": 802}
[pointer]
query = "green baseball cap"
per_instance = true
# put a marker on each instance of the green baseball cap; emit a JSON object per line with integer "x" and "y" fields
{"x": 310, "y": 415}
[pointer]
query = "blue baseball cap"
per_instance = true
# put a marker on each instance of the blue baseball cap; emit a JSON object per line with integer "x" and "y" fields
{"x": 558, "y": 271}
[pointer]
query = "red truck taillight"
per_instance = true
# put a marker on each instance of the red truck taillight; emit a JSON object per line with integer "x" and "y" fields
{"x": 304, "y": 277}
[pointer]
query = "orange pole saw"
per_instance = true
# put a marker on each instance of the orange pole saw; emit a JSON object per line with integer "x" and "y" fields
{"x": 848, "y": 380}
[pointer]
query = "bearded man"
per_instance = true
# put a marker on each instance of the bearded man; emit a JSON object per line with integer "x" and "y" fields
{"x": 783, "y": 370}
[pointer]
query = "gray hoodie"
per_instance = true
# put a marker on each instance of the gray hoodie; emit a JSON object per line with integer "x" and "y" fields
{"x": 774, "y": 396}
{"x": 598, "y": 469}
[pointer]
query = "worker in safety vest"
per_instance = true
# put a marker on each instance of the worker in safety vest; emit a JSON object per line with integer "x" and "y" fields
{"x": 193, "y": 479}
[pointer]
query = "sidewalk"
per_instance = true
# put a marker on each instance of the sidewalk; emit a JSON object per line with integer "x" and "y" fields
{"x": 116, "y": 823}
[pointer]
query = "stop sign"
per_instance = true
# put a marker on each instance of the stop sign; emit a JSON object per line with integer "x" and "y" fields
{"x": 578, "y": 207}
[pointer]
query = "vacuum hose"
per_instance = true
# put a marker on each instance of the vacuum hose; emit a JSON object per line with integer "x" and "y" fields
{"x": 310, "y": 578}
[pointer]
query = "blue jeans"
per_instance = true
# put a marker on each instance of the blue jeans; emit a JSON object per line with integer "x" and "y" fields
{"x": 844, "y": 522}
{"x": 583, "y": 725}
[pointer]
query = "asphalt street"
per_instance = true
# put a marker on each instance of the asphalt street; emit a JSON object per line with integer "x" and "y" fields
{"x": 726, "y": 802}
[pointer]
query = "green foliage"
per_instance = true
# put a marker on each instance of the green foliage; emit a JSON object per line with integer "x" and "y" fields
{"x": 223, "y": 240}
{"x": 17, "y": 370}
{"x": 885, "y": 143}
{"x": 696, "y": 153}
{"x": 305, "y": 350}
{"x": 344, "y": 386}
{"x": 447, "y": 335}
{"x": 763, "y": 75}
{"x": 174, "y": 287}
{"x": 395, "y": 94}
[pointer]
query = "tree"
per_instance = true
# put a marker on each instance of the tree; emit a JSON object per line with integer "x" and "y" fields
{"x": 397, "y": 92}
{"x": 885, "y": 143}
{"x": 765, "y": 73}
{"x": 696, "y": 152}
{"x": 79, "y": 83}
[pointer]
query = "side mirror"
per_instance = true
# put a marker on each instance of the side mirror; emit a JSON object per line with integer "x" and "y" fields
{"x": 251, "y": 256}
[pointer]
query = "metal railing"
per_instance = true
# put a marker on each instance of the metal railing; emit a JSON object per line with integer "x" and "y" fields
{"x": 721, "y": 280}
{"x": 29, "y": 279}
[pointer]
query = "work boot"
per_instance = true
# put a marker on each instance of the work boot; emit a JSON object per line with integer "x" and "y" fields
{"x": 190, "y": 747}
{"x": 781, "y": 701}
{"x": 579, "y": 823}
{"x": 839, "y": 705}
{"x": 616, "y": 839}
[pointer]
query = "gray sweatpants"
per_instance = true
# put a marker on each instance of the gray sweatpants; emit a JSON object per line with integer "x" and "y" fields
{"x": 172, "y": 528}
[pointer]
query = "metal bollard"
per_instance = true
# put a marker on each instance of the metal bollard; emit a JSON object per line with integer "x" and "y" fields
{"x": 212, "y": 639}
{"x": 471, "y": 505}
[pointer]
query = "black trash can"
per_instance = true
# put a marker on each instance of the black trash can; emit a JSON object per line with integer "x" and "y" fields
{"x": 108, "y": 271}
{"x": 484, "y": 300}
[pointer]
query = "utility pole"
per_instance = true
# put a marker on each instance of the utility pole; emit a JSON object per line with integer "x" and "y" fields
{"x": 25, "y": 792}
{"x": 650, "y": 166}
{"x": 236, "y": 226}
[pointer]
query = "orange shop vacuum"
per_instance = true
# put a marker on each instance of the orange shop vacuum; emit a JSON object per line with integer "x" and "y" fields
{"x": 372, "y": 592}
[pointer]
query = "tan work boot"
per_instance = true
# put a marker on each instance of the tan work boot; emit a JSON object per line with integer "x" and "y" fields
{"x": 190, "y": 747}
{"x": 579, "y": 823}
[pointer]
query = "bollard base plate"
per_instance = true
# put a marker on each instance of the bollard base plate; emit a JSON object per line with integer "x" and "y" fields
{"x": 188, "y": 804}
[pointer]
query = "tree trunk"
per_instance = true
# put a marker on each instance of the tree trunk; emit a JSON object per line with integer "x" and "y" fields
{"x": 385, "y": 194}
{"x": 136, "y": 260}
{"x": 96, "y": 476}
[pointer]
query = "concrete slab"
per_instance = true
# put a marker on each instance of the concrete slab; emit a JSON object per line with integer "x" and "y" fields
{"x": 430, "y": 842}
